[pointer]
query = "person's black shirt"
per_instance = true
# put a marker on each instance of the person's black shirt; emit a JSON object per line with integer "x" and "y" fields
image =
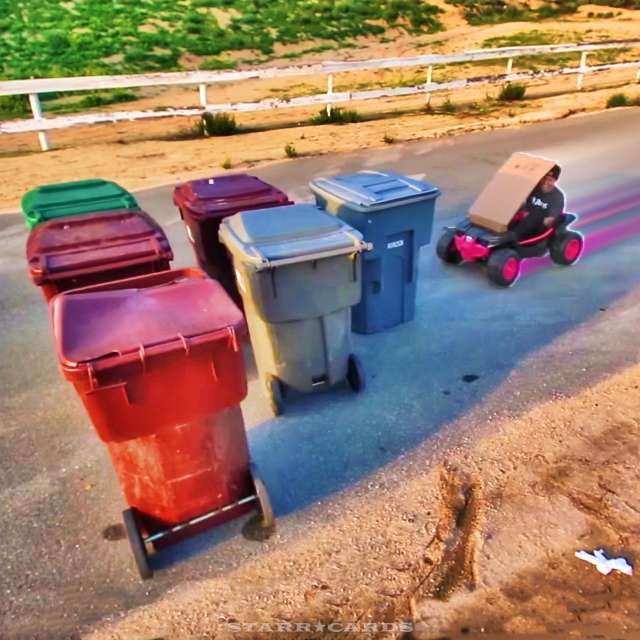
{"x": 540, "y": 205}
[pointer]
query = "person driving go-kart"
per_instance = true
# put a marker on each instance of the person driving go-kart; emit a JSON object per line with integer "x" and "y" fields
{"x": 518, "y": 215}
{"x": 542, "y": 210}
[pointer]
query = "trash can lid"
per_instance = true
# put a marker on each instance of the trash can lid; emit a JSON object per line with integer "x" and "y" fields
{"x": 72, "y": 198}
{"x": 219, "y": 195}
{"x": 116, "y": 319}
{"x": 375, "y": 189}
{"x": 283, "y": 235}
{"x": 62, "y": 245}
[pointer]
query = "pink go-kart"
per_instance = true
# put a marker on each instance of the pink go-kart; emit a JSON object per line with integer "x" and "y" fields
{"x": 503, "y": 252}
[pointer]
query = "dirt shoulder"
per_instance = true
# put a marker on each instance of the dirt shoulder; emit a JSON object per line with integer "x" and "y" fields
{"x": 471, "y": 535}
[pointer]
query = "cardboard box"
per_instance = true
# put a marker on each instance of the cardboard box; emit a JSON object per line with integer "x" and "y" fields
{"x": 508, "y": 190}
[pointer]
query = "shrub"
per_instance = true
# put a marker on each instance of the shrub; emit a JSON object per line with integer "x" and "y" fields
{"x": 448, "y": 107}
{"x": 388, "y": 139}
{"x": 618, "y": 100}
{"x": 512, "y": 91}
{"x": 290, "y": 150}
{"x": 338, "y": 116}
{"x": 226, "y": 163}
{"x": 12, "y": 106}
{"x": 218, "y": 124}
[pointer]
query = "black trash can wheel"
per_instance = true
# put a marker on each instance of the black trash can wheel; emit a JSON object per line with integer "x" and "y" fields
{"x": 264, "y": 503}
{"x": 355, "y": 373}
{"x": 276, "y": 395}
{"x": 137, "y": 544}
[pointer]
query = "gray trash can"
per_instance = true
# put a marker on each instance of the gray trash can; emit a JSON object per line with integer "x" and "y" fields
{"x": 395, "y": 213}
{"x": 298, "y": 270}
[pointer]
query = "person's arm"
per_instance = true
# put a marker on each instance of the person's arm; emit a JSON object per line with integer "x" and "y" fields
{"x": 556, "y": 209}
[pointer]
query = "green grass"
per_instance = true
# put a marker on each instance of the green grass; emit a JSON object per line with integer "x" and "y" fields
{"x": 532, "y": 38}
{"x": 54, "y": 38}
{"x": 478, "y": 12}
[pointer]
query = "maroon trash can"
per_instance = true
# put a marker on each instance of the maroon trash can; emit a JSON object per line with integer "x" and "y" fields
{"x": 158, "y": 364}
{"x": 204, "y": 203}
{"x": 79, "y": 251}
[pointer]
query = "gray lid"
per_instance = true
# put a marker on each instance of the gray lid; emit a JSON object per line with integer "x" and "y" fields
{"x": 373, "y": 190}
{"x": 294, "y": 233}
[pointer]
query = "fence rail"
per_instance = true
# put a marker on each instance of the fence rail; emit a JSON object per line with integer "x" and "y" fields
{"x": 39, "y": 123}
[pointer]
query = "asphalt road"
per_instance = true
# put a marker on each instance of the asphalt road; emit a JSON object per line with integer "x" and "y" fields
{"x": 58, "y": 568}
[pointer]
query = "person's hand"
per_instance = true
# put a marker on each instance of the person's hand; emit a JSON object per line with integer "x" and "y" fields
{"x": 548, "y": 221}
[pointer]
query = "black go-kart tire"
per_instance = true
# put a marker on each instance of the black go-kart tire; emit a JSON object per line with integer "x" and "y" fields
{"x": 276, "y": 395}
{"x": 446, "y": 249}
{"x": 565, "y": 248}
{"x": 264, "y": 503}
{"x": 138, "y": 547}
{"x": 355, "y": 374}
{"x": 503, "y": 267}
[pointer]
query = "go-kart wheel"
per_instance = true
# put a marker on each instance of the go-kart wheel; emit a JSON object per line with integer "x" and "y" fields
{"x": 137, "y": 544}
{"x": 503, "y": 267}
{"x": 355, "y": 373}
{"x": 446, "y": 248}
{"x": 274, "y": 391}
{"x": 264, "y": 503}
{"x": 565, "y": 248}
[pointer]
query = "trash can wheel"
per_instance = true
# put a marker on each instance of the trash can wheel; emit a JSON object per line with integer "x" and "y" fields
{"x": 264, "y": 503}
{"x": 137, "y": 544}
{"x": 355, "y": 373}
{"x": 276, "y": 395}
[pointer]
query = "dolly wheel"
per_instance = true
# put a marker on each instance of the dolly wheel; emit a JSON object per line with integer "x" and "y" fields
{"x": 446, "y": 248}
{"x": 274, "y": 390}
{"x": 264, "y": 504}
{"x": 355, "y": 373}
{"x": 565, "y": 248}
{"x": 503, "y": 267}
{"x": 137, "y": 544}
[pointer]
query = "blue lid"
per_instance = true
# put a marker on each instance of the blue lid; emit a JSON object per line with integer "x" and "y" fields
{"x": 372, "y": 189}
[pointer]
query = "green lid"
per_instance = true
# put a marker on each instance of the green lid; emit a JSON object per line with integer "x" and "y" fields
{"x": 73, "y": 198}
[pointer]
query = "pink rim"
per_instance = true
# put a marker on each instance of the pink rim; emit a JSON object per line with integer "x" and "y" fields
{"x": 510, "y": 269}
{"x": 572, "y": 250}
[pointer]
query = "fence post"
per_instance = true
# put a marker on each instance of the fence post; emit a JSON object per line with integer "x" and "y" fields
{"x": 203, "y": 95}
{"x": 429, "y": 76}
{"x": 36, "y": 109}
{"x": 583, "y": 64}
{"x": 329, "y": 92}
{"x": 509, "y": 65}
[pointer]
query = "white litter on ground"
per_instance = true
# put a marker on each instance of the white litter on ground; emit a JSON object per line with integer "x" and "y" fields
{"x": 603, "y": 564}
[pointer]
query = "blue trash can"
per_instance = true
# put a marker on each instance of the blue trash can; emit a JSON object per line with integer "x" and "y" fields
{"x": 395, "y": 214}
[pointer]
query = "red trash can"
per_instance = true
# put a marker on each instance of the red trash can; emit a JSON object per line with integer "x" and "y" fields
{"x": 79, "y": 251}
{"x": 157, "y": 362}
{"x": 204, "y": 203}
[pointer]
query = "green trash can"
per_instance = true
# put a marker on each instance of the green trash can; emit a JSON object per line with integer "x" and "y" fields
{"x": 298, "y": 270}
{"x": 73, "y": 198}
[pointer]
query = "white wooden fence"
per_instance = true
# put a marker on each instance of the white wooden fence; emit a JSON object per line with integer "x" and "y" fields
{"x": 203, "y": 79}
